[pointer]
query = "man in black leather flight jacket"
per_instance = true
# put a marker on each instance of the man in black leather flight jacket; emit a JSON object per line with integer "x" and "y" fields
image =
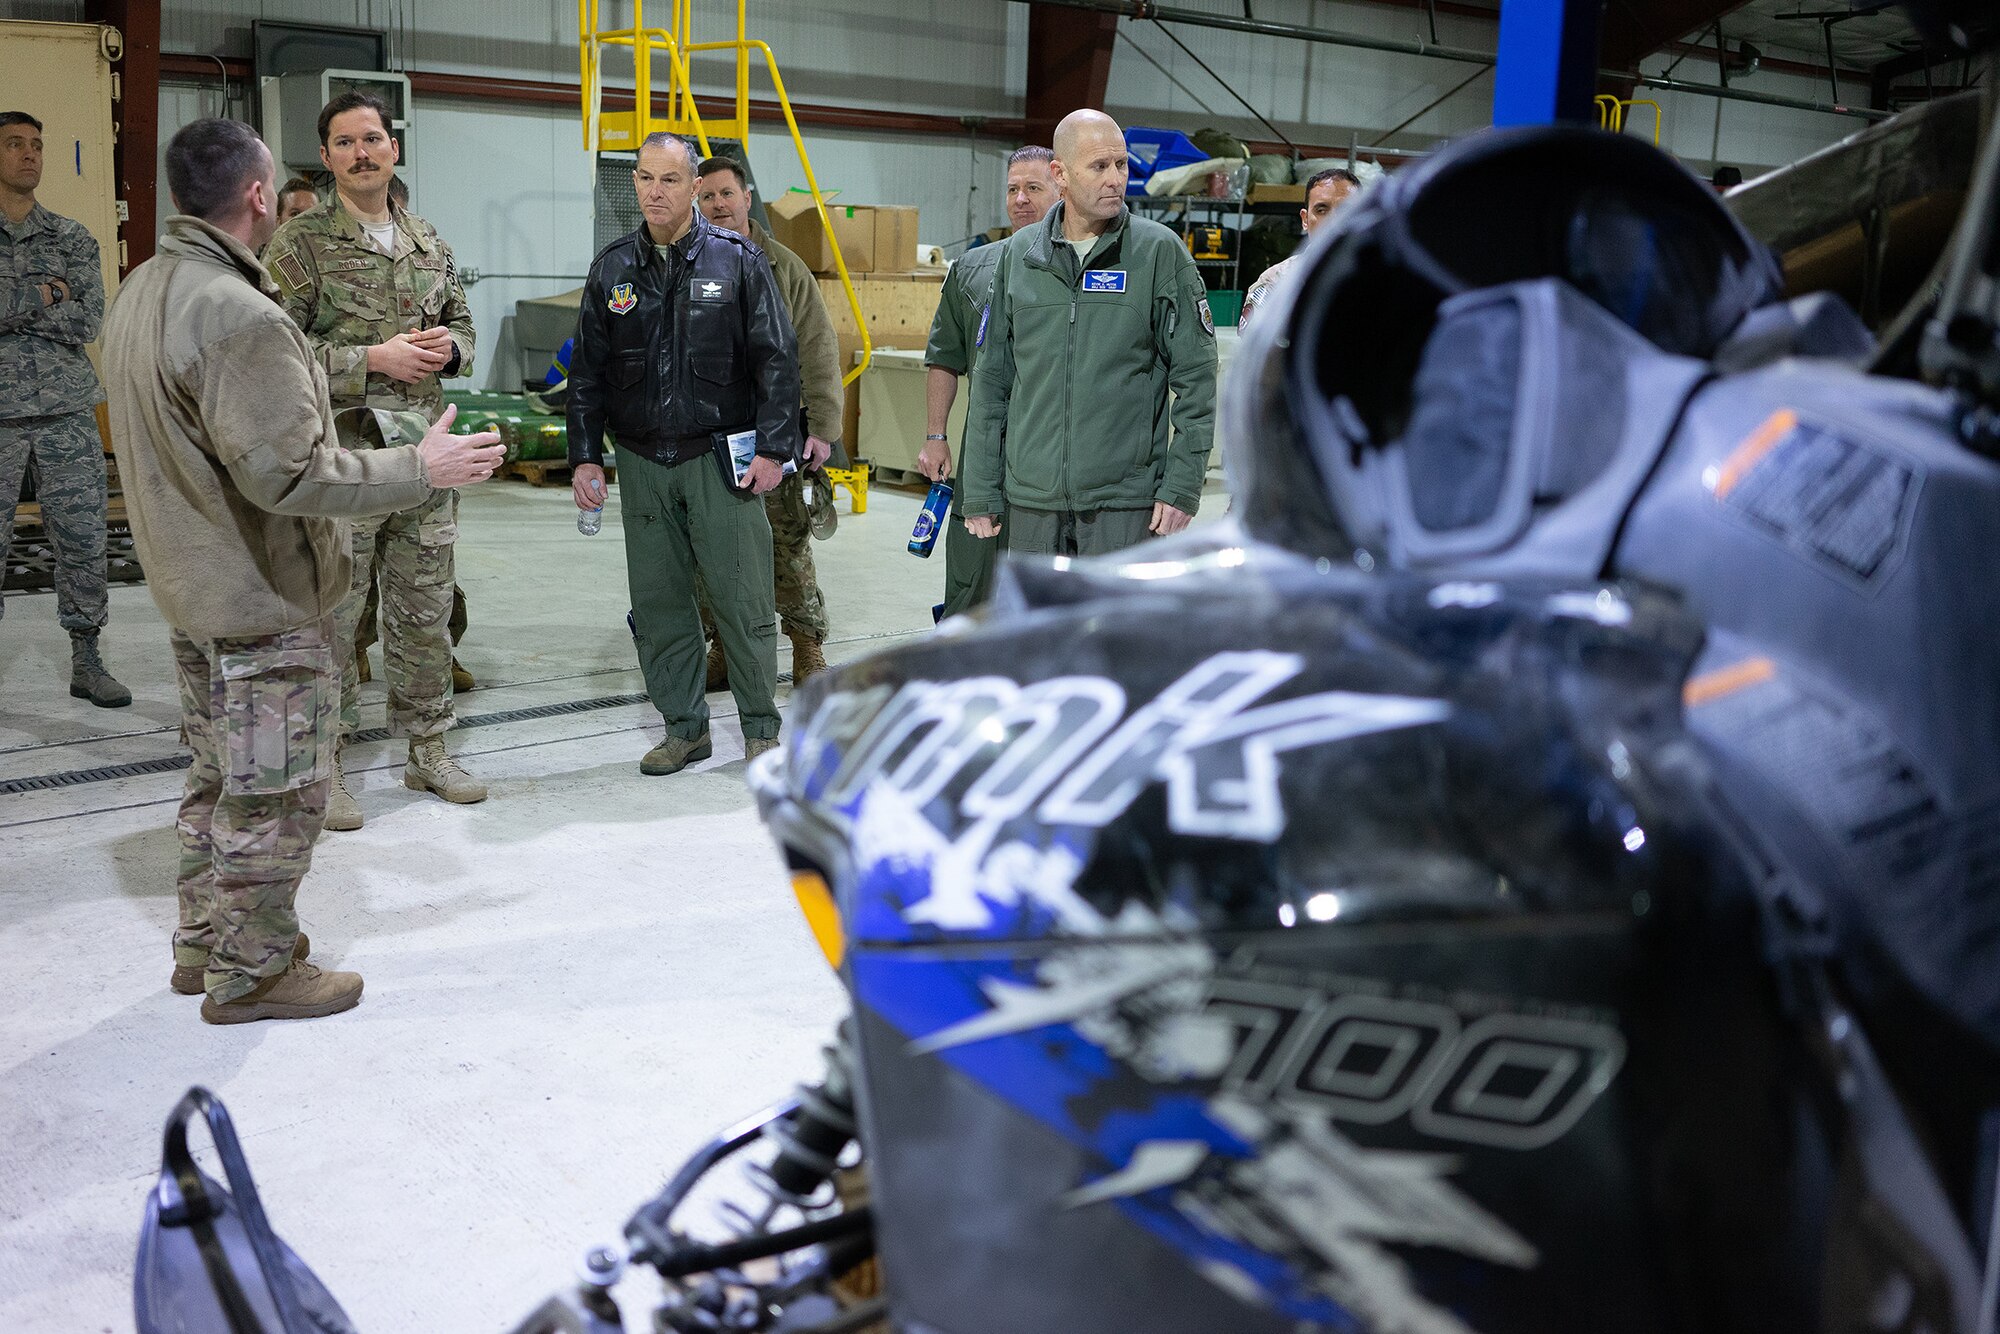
{"x": 682, "y": 340}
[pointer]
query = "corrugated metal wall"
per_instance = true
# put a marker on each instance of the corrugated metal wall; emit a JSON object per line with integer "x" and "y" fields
{"x": 510, "y": 188}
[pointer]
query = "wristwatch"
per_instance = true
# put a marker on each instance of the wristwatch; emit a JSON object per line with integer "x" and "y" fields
{"x": 934, "y": 437}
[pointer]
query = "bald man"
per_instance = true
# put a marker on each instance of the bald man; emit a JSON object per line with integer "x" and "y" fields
{"x": 1096, "y": 329}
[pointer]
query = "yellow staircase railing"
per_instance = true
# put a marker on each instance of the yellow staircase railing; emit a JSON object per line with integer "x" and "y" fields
{"x": 1611, "y": 113}
{"x": 615, "y": 131}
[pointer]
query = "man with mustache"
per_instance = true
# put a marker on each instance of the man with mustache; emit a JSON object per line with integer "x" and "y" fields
{"x": 1031, "y": 192}
{"x": 377, "y": 294}
{"x": 1097, "y": 323}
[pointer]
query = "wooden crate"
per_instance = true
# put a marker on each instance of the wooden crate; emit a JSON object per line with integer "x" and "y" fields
{"x": 898, "y": 309}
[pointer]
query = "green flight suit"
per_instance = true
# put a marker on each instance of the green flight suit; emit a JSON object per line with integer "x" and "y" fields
{"x": 969, "y": 562}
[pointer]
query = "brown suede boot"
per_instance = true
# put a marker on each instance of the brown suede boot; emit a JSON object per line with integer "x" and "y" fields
{"x": 302, "y": 991}
{"x": 342, "y": 811}
{"x": 362, "y": 670}
{"x": 753, "y": 746}
{"x": 460, "y": 678}
{"x": 806, "y": 658}
{"x": 431, "y": 769}
{"x": 675, "y": 754}
{"x": 718, "y": 667}
{"x": 186, "y": 980}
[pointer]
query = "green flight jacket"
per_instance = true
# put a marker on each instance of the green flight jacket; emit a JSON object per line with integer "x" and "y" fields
{"x": 347, "y": 296}
{"x": 953, "y": 344}
{"x": 1074, "y": 369}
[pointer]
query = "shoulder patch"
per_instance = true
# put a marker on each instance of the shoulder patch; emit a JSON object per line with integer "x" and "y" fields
{"x": 290, "y": 269}
{"x": 1207, "y": 319}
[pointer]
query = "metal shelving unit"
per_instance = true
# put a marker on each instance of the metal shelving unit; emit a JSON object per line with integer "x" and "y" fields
{"x": 1187, "y": 208}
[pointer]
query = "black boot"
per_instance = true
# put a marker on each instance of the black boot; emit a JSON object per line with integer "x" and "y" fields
{"x": 87, "y": 677}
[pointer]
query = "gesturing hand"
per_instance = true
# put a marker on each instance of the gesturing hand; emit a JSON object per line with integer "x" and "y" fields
{"x": 458, "y": 460}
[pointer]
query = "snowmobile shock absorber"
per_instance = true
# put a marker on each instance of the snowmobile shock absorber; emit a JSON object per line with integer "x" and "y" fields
{"x": 811, "y": 1140}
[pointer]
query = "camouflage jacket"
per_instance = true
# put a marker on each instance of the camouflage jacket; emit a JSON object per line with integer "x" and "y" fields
{"x": 348, "y": 296}
{"x": 43, "y": 369}
{"x": 819, "y": 348}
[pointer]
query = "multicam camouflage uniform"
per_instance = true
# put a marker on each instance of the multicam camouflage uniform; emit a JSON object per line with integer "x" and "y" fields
{"x": 260, "y": 716}
{"x": 48, "y": 398}
{"x": 347, "y": 296}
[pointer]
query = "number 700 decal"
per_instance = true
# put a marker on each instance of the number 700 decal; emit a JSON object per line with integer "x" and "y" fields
{"x": 1509, "y": 1080}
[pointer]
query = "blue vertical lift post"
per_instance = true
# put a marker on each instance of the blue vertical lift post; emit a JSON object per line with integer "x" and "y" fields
{"x": 1547, "y": 66}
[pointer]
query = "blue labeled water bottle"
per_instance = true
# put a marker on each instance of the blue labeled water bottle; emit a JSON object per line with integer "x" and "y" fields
{"x": 931, "y": 519}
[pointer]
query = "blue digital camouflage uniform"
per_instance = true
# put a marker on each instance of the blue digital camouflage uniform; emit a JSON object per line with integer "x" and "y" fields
{"x": 348, "y": 296}
{"x": 48, "y": 402}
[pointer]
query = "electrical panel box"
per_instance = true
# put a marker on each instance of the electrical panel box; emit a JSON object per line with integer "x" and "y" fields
{"x": 292, "y": 102}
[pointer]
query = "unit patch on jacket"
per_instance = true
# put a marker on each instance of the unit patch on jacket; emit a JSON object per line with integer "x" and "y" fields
{"x": 1207, "y": 318}
{"x": 1104, "y": 280}
{"x": 709, "y": 289}
{"x": 622, "y": 299}
{"x": 985, "y": 314}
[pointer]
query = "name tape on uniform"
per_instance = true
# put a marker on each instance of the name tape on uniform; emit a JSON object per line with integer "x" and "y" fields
{"x": 709, "y": 289}
{"x": 1104, "y": 280}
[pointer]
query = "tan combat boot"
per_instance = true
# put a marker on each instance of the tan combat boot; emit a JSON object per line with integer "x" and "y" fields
{"x": 342, "y": 811}
{"x": 753, "y": 746}
{"x": 675, "y": 754}
{"x": 718, "y": 668}
{"x": 302, "y": 991}
{"x": 460, "y": 678}
{"x": 186, "y": 980}
{"x": 806, "y": 658}
{"x": 431, "y": 770}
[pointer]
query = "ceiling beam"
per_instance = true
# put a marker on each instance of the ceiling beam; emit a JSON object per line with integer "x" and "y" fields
{"x": 1069, "y": 65}
{"x": 1635, "y": 29}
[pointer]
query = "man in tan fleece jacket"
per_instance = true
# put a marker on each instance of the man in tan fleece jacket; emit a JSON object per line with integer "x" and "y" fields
{"x": 235, "y": 481}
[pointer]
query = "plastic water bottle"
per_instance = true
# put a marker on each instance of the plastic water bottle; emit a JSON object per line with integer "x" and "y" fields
{"x": 931, "y": 519}
{"x": 589, "y": 521}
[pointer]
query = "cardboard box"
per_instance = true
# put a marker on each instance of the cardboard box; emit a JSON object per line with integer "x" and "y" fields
{"x": 795, "y": 223}
{"x": 895, "y": 248}
{"x": 1277, "y": 194}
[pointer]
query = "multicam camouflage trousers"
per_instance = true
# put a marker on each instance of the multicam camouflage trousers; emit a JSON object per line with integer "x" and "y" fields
{"x": 416, "y": 573}
{"x": 259, "y": 715}
{"x": 69, "y": 462}
{"x": 801, "y": 609}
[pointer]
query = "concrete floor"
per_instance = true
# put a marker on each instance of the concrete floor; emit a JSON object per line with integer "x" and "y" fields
{"x": 569, "y": 987}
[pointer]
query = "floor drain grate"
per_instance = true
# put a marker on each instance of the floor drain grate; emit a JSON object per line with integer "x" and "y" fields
{"x": 167, "y": 764}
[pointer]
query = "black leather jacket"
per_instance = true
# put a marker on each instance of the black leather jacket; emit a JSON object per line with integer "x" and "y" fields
{"x": 673, "y": 350}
